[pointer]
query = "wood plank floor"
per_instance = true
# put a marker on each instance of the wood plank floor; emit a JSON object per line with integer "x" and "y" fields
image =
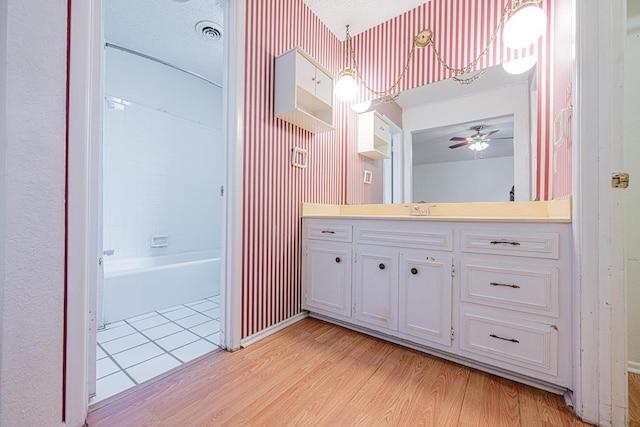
{"x": 315, "y": 373}
{"x": 634, "y": 400}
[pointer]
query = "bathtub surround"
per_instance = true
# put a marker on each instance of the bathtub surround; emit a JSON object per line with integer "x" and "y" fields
{"x": 163, "y": 167}
{"x": 163, "y": 170}
{"x": 136, "y": 286}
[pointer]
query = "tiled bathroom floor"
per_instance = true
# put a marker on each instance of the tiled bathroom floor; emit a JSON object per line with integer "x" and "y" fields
{"x": 134, "y": 350}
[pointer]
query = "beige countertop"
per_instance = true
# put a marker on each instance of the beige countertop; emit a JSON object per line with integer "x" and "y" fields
{"x": 553, "y": 211}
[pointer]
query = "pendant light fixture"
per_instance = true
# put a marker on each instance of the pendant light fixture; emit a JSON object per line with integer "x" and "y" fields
{"x": 520, "y": 65}
{"x": 347, "y": 85}
{"x": 526, "y": 24}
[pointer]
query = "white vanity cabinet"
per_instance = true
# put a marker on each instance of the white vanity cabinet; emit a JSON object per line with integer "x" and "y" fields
{"x": 514, "y": 310}
{"x": 327, "y": 269}
{"x": 303, "y": 92}
{"x": 425, "y": 297}
{"x": 495, "y": 296}
{"x": 376, "y": 287}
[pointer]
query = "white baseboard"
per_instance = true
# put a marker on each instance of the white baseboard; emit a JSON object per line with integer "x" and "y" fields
{"x": 634, "y": 367}
{"x": 252, "y": 339}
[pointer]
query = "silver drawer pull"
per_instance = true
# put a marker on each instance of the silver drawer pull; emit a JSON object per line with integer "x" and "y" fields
{"x": 504, "y": 242}
{"x": 504, "y": 339}
{"x": 505, "y": 285}
{"x": 328, "y": 232}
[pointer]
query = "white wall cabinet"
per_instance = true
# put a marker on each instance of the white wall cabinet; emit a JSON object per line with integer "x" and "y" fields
{"x": 303, "y": 92}
{"x": 495, "y": 296}
{"x": 374, "y": 136}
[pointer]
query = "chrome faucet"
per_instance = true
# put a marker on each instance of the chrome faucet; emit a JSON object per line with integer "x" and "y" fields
{"x": 427, "y": 210}
{"x": 417, "y": 210}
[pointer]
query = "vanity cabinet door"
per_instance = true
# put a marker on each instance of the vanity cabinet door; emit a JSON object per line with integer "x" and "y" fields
{"x": 327, "y": 278}
{"x": 425, "y": 296}
{"x": 376, "y": 286}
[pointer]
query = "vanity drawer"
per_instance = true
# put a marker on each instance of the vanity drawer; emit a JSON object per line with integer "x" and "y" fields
{"x": 524, "y": 287}
{"x": 530, "y": 345}
{"x": 329, "y": 231}
{"x": 405, "y": 235}
{"x": 529, "y": 244}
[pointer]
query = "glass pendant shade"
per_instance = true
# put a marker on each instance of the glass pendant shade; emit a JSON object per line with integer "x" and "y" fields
{"x": 524, "y": 27}
{"x": 521, "y": 65}
{"x": 347, "y": 87}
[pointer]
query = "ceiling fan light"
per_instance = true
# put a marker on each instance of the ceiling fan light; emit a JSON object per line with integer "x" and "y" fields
{"x": 520, "y": 65}
{"x": 478, "y": 146}
{"x": 347, "y": 87}
{"x": 525, "y": 26}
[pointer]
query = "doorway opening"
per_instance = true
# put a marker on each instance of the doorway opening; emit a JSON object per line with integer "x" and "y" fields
{"x": 158, "y": 296}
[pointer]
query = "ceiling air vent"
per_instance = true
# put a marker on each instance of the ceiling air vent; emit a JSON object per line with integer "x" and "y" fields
{"x": 209, "y": 30}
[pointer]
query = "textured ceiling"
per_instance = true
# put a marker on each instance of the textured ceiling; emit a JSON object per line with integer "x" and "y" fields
{"x": 360, "y": 15}
{"x": 165, "y": 29}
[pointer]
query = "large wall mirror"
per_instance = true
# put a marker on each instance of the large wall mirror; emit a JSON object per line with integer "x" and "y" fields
{"x": 433, "y": 162}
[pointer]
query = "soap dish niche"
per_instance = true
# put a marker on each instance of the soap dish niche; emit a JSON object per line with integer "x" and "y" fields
{"x": 159, "y": 240}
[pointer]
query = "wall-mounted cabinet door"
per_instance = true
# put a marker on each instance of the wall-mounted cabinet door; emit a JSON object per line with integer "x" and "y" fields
{"x": 376, "y": 286}
{"x": 324, "y": 87}
{"x": 327, "y": 278}
{"x": 425, "y": 296}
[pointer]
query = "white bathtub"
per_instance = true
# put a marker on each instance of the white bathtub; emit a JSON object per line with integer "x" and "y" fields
{"x": 136, "y": 286}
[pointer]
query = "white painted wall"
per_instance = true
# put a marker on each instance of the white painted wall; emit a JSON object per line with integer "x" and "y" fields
{"x": 497, "y": 102}
{"x": 3, "y": 165}
{"x": 163, "y": 159}
{"x": 632, "y": 194}
{"x": 32, "y": 145}
{"x": 481, "y": 180}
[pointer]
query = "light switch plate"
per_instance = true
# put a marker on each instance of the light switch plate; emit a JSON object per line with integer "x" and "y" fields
{"x": 368, "y": 175}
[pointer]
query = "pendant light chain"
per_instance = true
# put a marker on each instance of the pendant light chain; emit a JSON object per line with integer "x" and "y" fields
{"x": 350, "y": 52}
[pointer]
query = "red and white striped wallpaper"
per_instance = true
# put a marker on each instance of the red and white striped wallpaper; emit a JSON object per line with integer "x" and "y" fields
{"x": 462, "y": 28}
{"x": 560, "y": 175}
{"x": 273, "y": 189}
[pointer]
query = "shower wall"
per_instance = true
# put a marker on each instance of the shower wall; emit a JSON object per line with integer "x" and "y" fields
{"x": 163, "y": 159}
{"x": 163, "y": 165}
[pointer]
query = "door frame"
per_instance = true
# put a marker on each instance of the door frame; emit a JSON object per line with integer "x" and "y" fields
{"x": 600, "y": 375}
{"x": 83, "y": 167}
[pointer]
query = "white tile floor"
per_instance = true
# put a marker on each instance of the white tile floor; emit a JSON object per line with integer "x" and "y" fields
{"x": 135, "y": 350}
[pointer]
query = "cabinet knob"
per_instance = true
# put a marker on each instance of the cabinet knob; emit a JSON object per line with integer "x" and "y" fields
{"x": 381, "y": 266}
{"x": 338, "y": 259}
{"x": 319, "y": 81}
{"x": 414, "y": 270}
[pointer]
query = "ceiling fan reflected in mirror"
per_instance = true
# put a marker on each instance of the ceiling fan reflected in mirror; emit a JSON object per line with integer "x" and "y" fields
{"x": 477, "y": 141}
